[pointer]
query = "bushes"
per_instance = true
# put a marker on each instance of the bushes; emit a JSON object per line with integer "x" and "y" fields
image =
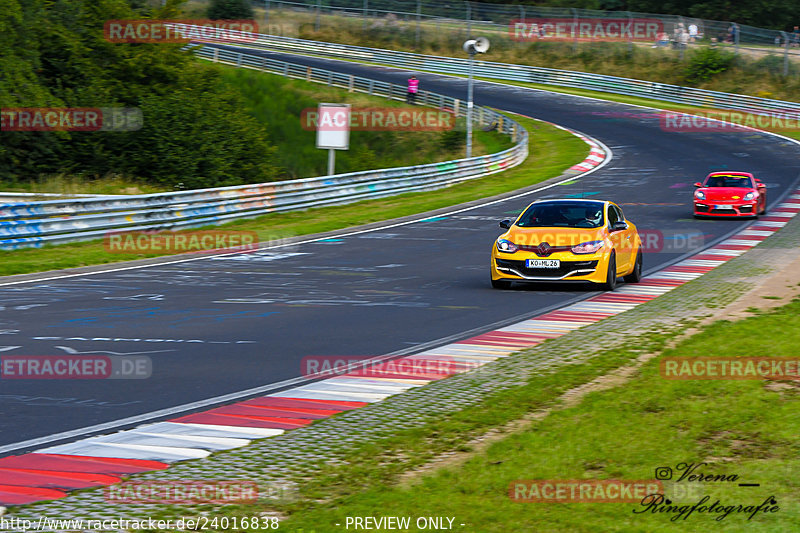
{"x": 230, "y": 10}
{"x": 705, "y": 63}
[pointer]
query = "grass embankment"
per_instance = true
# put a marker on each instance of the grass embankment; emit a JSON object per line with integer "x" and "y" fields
{"x": 745, "y": 428}
{"x": 551, "y": 152}
{"x": 279, "y": 102}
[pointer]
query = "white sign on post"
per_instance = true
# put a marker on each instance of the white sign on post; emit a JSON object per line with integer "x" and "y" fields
{"x": 333, "y": 130}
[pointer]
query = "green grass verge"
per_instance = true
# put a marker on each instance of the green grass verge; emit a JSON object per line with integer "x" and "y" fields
{"x": 746, "y": 428}
{"x": 68, "y": 185}
{"x": 551, "y": 152}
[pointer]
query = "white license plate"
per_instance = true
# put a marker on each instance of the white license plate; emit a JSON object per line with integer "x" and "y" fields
{"x": 723, "y": 207}
{"x": 542, "y": 263}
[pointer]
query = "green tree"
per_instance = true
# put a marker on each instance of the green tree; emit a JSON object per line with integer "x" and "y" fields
{"x": 230, "y": 10}
{"x": 53, "y": 54}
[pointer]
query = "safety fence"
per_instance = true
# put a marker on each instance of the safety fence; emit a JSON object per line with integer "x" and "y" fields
{"x": 33, "y": 224}
{"x": 465, "y": 17}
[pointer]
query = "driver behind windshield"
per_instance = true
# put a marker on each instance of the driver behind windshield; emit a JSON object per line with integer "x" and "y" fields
{"x": 570, "y": 215}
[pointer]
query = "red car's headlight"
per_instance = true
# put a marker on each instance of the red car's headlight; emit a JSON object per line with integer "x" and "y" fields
{"x": 749, "y": 196}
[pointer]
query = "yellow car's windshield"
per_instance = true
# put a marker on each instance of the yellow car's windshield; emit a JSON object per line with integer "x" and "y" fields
{"x": 563, "y": 215}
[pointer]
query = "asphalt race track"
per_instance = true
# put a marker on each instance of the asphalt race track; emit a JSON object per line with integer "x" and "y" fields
{"x": 215, "y": 326}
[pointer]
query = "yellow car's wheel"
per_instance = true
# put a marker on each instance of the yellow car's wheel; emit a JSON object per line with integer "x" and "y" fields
{"x": 611, "y": 277}
{"x": 636, "y": 274}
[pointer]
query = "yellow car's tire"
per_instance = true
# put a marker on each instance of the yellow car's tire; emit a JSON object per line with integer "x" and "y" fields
{"x": 611, "y": 277}
{"x": 636, "y": 274}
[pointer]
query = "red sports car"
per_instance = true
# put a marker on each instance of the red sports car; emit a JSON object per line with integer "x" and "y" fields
{"x": 730, "y": 194}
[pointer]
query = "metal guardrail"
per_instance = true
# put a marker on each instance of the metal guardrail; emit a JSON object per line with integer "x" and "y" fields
{"x": 33, "y": 224}
{"x": 22, "y": 196}
{"x": 525, "y": 73}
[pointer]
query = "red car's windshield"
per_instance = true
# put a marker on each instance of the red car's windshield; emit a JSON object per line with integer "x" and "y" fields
{"x": 729, "y": 181}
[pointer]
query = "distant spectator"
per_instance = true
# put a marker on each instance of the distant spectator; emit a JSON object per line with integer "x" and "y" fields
{"x": 734, "y": 33}
{"x": 662, "y": 40}
{"x": 693, "y": 32}
{"x": 413, "y": 89}
{"x": 676, "y": 35}
{"x": 682, "y": 40}
{"x": 796, "y": 36}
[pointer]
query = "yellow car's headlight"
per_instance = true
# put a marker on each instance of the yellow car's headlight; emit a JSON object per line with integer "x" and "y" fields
{"x": 589, "y": 247}
{"x": 504, "y": 245}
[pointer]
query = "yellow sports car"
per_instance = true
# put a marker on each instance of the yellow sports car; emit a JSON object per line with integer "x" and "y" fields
{"x": 570, "y": 240}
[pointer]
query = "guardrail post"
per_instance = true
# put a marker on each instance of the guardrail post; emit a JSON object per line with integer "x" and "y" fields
{"x": 316, "y": 22}
{"x": 455, "y": 107}
{"x": 391, "y": 86}
{"x": 351, "y": 84}
{"x": 500, "y": 124}
{"x": 239, "y": 60}
{"x": 286, "y": 69}
{"x": 308, "y": 73}
{"x": 514, "y": 133}
{"x": 330, "y": 78}
{"x": 215, "y": 57}
{"x": 371, "y": 87}
{"x": 263, "y": 64}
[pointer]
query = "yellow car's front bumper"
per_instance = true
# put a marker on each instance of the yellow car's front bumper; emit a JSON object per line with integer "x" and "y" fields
{"x": 574, "y": 267}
